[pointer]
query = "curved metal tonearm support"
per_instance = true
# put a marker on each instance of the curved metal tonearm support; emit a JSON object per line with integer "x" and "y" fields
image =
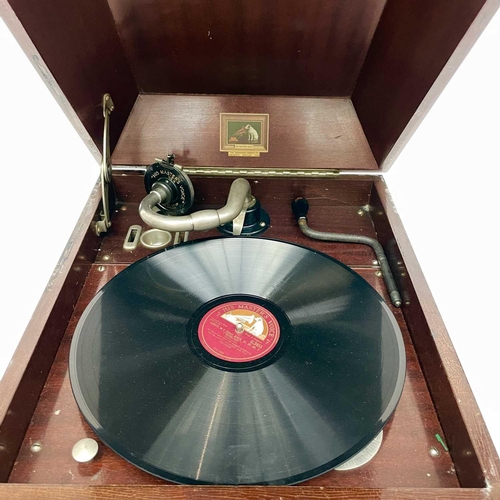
{"x": 104, "y": 223}
{"x": 239, "y": 199}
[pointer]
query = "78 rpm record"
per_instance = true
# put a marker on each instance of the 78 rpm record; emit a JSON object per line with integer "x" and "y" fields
{"x": 237, "y": 361}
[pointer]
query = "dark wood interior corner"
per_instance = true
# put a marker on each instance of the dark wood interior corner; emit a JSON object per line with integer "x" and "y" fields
{"x": 474, "y": 456}
{"x": 413, "y": 42}
{"x": 79, "y": 44}
{"x": 25, "y": 376}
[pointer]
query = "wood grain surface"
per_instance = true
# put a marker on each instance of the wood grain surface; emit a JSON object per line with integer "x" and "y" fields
{"x": 77, "y": 41}
{"x": 470, "y": 445}
{"x": 404, "y": 459}
{"x": 413, "y": 43}
{"x": 24, "y": 378}
{"x": 160, "y": 492}
{"x": 283, "y": 47}
{"x": 303, "y": 132}
{"x": 334, "y": 207}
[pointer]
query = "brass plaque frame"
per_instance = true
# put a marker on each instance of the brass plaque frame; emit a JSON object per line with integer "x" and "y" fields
{"x": 244, "y": 134}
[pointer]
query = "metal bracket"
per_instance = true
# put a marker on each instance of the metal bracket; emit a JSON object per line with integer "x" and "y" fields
{"x": 106, "y": 170}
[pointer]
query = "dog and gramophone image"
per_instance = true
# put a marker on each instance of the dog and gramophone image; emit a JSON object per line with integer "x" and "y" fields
{"x": 247, "y": 133}
{"x": 244, "y": 134}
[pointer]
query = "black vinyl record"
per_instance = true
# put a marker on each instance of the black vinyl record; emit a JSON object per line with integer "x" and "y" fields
{"x": 237, "y": 361}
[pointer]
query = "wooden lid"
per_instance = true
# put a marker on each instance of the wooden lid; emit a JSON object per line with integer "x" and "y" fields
{"x": 344, "y": 83}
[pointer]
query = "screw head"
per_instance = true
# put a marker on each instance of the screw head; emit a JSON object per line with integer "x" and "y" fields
{"x": 434, "y": 452}
{"x": 361, "y": 211}
{"x": 378, "y": 273}
{"x": 375, "y": 262}
{"x": 36, "y": 447}
{"x": 262, "y": 224}
{"x": 101, "y": 269}
{"x": 105, "y": 257}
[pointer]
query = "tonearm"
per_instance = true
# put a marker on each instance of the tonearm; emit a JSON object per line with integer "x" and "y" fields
{"x": 171, "y": 195}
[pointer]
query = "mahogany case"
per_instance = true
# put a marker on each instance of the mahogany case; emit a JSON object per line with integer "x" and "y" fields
{"x": 345, "y": 83}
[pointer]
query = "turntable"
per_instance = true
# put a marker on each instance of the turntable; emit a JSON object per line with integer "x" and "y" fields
{"x": 240, "y": 312}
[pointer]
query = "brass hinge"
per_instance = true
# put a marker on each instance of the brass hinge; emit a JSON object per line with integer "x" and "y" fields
{"x": 260, "y": 172}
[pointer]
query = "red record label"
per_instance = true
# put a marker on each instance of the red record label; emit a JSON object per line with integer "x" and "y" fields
{"x": 239, "y": 331}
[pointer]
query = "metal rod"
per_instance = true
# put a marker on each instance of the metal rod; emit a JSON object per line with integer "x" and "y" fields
{"x": 300, "y": 208}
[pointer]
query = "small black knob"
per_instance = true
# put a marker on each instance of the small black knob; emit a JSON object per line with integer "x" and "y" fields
{"x": 300, "y": 207}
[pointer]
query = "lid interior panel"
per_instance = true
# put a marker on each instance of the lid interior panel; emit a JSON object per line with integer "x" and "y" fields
{"x": 283, "y": 47}
{"x": 76, "y": 49}
{"x": 413, "y": 43}
{"x": 381, "y": 57}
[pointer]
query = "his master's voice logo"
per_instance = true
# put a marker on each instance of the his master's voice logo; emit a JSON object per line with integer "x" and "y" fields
{"x": 244, "y": 134}
{"x": 247, "y": 134}
{"x": 253, "y": 323}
